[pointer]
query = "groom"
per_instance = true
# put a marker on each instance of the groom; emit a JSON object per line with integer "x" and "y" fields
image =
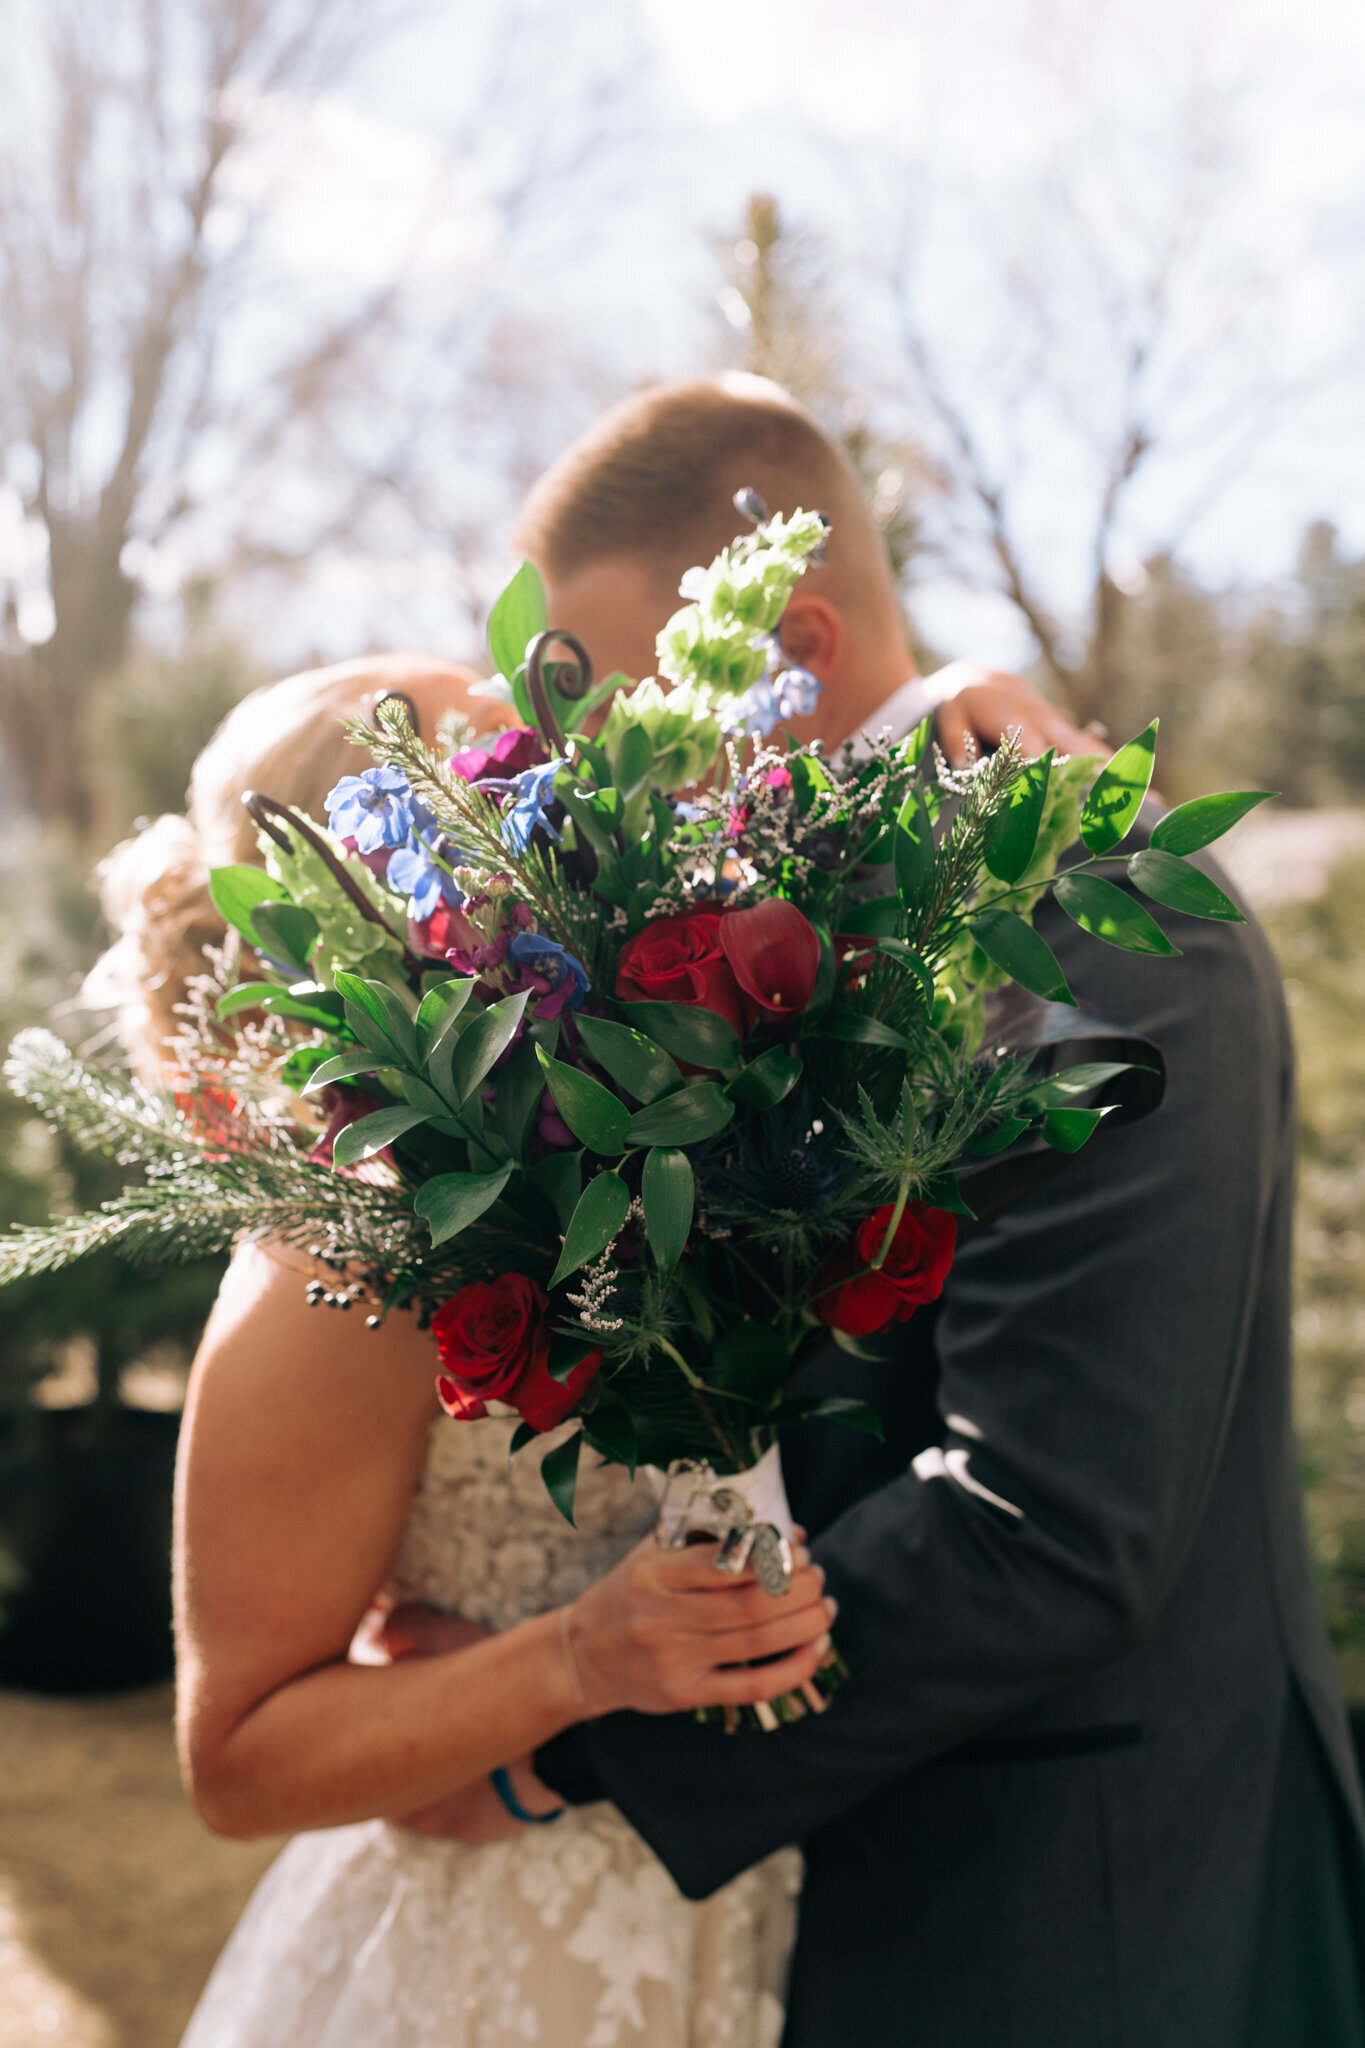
{"x": 1090, "y": 1785}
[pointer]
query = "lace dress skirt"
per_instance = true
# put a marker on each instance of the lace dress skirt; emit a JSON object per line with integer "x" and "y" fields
{"x": 570, "y": 1936}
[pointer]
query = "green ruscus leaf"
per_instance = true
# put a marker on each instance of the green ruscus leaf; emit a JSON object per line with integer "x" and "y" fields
{"x": 1119, "y": 788}
{"x": 1015, "y": 946}
{"x": 484, "y": 1041}
{"x": 236, "y": 891}
{"x": 1168, "y": 879}
{"x": 912, "y": 850}
{"x": 519, "y": 614}
{"x": 668, "y": 1191}
{"x": 284, "y": 931}
{"x": 1196, "y": 824}
{"x": 767, "y": 1080}
{"x": 683, "y": 1119}
{"x": 600, "y": 1212}
{"x": 597, "y": 1118}
{"x": 1012, "y": 833}
{"x": 1066, "y": 1130}
{"x": 641, "y": 1067}
{"x": 688, "y": 1031}
{"x": 559, "y": 1470}
{"x": 450, "y": 1202}
{"x": 370, "y": 1134}
{"x": 1104, "y": 911}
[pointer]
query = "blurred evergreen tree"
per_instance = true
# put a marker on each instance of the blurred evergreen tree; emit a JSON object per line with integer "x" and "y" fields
{"x": 782, "y": 320}
{"x": 1321, "y": 946}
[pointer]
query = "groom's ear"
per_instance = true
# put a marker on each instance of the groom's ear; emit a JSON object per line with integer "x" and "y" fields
{"x": 813, "y": 634}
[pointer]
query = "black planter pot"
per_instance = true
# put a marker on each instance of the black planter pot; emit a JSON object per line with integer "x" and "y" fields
{"x": 85, "y": 1511}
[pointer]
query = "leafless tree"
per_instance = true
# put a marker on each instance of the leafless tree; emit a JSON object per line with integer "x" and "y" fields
{"x": 163, "y": 381}
{"x": 1118, "y": 328}
{"x": 781, "y": 305}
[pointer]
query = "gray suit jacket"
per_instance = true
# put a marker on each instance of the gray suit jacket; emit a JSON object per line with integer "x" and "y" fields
{"x": 1079, "y": 1742}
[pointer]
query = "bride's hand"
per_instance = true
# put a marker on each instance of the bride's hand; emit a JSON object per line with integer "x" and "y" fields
{"x": 665, "y": 1631}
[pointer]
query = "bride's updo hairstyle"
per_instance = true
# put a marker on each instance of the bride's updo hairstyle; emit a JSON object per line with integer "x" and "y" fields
{"x": 286, "y": 740}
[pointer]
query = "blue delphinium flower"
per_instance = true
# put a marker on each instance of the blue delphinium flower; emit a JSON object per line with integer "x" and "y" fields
{"x": 530, "y": 792}
{"x": 547, "y": 958}
{"x": 755, "y": 713}
{"x": 373, "y": 808}
{"x": 413, "y": 870}
{"x": 797, "y": 692}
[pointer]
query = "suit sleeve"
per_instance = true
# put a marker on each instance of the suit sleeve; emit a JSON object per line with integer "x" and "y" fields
{"x": 1090, "y": 1349}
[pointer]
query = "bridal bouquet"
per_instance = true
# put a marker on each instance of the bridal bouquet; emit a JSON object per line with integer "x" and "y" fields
{"x": 633, "y": 1051}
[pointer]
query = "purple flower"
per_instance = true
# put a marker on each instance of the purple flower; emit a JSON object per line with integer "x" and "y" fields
{"x": 564, "y": 979}
{"x": 515, "y": 749}
{"x": 372, "y": 808}
{"x": 415, "y": 872}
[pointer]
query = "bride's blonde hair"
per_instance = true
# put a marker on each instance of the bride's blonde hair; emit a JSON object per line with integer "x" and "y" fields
{"x": 286, "y": 740}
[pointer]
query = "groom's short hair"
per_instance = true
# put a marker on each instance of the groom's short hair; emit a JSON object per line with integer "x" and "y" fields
{"x": 654, "y": 480}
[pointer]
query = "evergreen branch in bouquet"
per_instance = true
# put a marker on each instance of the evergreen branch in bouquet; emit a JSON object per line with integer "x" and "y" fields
{"x": 103, "y": 1112}
{"x": 982, "y": 792}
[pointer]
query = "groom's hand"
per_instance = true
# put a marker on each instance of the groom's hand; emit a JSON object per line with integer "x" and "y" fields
{"x": 475, "y": 1813}
{"x": 983, "y": 703}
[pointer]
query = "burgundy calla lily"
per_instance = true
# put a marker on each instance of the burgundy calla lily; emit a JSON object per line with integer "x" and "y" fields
{"x": 774, "y": 954}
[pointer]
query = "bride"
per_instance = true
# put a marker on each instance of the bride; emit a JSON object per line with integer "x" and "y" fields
{"x": 317, "y": 1472}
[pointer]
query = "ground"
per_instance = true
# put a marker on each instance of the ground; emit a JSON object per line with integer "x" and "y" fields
{"x": 114, "y": 1897}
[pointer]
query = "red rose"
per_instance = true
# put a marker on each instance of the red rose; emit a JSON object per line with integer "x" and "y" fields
{"x": 914, "y": 1272}
{"x": 679, "y": 960}
{"x": 775, "y": 954}
{"x": 494, "y": 1341}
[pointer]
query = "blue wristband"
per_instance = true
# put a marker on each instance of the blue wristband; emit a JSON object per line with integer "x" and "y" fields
{"x": 502, "y": 1785}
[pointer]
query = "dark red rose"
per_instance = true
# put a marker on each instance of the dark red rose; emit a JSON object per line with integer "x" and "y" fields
{"x": 915, "y": 1270}
{"x": 515, "y": 749}
{"x": 494, "y": 1341}
{"x": 446, "y": 931}
{"x": 679, "y": 960}
{"x": 775, "y": 954}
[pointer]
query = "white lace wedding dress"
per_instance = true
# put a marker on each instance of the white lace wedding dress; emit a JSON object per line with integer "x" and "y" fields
{"x": 569, "y": 1936}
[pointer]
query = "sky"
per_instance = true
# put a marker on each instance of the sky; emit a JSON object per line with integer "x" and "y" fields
{"x": 905, "y": 138}
{"x": 884, "y": 111}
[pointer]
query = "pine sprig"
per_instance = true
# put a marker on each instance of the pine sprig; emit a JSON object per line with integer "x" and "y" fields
{"x": 100, "y": 1111}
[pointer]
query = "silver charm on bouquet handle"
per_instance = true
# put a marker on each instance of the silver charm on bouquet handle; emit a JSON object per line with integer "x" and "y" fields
{"x": 695, "y": 1502}
{"x": 747, "y": 1515}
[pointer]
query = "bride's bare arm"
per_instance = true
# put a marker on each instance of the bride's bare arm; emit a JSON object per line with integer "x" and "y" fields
{"x": 304, "y": 1439}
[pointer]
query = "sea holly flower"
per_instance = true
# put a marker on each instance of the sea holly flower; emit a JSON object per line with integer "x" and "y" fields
{"x": 530, "y": 792}
{"x": 373, "y": 808}
{"x": 564, "y": 979}
{"x": 774, "y": 953}
{"x": 415, "y": 872}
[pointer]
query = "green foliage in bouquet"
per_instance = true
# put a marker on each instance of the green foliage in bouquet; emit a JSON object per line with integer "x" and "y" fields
{"x": 635, "y": 1050}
